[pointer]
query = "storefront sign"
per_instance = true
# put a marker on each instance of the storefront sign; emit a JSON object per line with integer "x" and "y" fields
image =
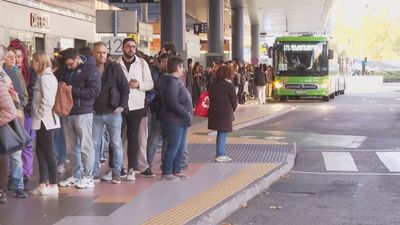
{"x": 40, "y": 21}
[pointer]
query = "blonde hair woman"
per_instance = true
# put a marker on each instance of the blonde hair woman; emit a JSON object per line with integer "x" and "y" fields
{"x": 44, "y": 121}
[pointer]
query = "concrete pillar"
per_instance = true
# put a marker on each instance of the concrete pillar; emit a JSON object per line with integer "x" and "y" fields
{"x": 173, "y": 22}
{"x": 255, "y": 43}
{"x": 237, "y": 33}
{"x": 215, "y": 35}
{"x": 145, "y": 12}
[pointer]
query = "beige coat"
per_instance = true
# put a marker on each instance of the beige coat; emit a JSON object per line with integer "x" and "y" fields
{"x": 44, "y": 95}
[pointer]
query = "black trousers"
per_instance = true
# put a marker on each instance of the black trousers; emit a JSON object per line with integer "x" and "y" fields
{"x": 45, "y": 154}
{"x": 133, "y": 120}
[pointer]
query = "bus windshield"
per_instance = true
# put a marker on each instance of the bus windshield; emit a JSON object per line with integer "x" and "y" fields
{"x": 302, "y": 59}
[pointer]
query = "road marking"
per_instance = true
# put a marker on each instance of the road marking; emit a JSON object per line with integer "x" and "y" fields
{"x": 391, "y": 160}
{"x": 343, "y": 173}
{"x": 339, "y": 161}
{"x": 348, "y": 150}
{"x": 397, "y": 99}
{"x": 391, "y": 109}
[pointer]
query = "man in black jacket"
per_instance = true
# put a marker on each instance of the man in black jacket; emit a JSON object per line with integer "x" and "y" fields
{"x": 77, "y": 127}
{"x": 108, "y": 106}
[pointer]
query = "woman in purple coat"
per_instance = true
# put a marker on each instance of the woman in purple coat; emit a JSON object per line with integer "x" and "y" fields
{"x": 223, "y": 103}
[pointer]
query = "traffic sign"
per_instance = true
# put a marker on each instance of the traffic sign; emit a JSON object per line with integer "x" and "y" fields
{"x": 114, "y": 44}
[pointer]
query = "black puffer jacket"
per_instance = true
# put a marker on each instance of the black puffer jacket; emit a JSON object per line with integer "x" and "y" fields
{"x": 85, "y": 81}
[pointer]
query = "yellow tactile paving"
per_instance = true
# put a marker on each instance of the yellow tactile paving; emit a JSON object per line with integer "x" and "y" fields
{"x": 199, "y": 204}
{"x": 114, "y": 199}
{"x": 205, "y": 139}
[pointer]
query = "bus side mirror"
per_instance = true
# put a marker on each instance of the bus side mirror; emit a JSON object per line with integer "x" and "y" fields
{"x": 330, "y": 54}
{"x": 270, "y": 50}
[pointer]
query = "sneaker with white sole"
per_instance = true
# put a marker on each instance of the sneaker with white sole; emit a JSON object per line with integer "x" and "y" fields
{"x": 85, "y": 183}
{"x": 69, "y": 182}
{"x": 40, "y": 191}
{"x": 131, "y": 175}
{"x": 223, "y": 158}
{"x": 107, "y": 176}
{"x": 170, "y": 177}
{"x": 52, "y": 189}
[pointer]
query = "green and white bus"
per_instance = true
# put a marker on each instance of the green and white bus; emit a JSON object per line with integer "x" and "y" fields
{"x": 305, "y": 66}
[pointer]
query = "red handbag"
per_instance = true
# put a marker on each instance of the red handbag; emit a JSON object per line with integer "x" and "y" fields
{"x": 202, "y": 105}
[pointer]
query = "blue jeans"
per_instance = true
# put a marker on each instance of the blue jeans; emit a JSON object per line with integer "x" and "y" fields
{"x": 113, "y": 124}
{"x": 79, "y": 140}
{"x": 176, "y": 141}
{"x": 221, "y": 140}
{"x": 59, "y": 144}
{"x": 17, "y": 172}
{"x": 154, "y": 139}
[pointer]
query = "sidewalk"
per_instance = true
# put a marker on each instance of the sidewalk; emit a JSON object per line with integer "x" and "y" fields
{"x": 213, "y": 191}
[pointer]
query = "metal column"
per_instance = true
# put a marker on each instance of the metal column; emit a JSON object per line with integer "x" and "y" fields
{"x": 145, "y": 12}
{"x": 173, "y": 22}
{"x": 215, "y": 31}
{"x": 255, "y": 43}
{"x": 237, "y": 33}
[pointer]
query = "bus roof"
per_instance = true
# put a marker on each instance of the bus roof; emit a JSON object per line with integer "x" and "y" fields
{"x": 301, "y": 39}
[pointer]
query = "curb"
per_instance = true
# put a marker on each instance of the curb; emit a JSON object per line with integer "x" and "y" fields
{"x": 223, "y": 210}
{"x": 258, "y": 120}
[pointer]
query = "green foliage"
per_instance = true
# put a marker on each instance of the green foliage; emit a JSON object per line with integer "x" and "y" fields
{"x": 391, "y": 76}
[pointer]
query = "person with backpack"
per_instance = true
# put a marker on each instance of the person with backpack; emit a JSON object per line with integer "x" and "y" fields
{"x": 44, "y": 121}
{"x": 85, "y": 82}
{"x": 108, "y": 108}
{"x": 155, "y": 107}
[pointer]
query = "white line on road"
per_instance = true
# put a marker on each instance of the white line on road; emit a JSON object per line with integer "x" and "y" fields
{"x": 343, "y": 173}
{"x": 391, "y": 109}
{"x": 349, "y": 150}
{"x": 391, "y": 160}
{"x": 339, "y": 161}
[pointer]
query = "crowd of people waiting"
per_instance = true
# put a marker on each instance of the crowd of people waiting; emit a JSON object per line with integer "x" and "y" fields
{"x": 132, "y": 103}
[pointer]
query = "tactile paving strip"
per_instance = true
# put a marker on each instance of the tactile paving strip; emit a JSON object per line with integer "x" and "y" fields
{"x": 199, "y": 204}
{"x": 241, "y": 150}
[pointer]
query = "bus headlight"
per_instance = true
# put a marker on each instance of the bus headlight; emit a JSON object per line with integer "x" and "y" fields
{"x": 278, "y": 85}
{"x": 324, "y": 85}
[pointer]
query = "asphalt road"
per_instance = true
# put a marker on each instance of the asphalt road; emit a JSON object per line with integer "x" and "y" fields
{"x": 347, "y": 168}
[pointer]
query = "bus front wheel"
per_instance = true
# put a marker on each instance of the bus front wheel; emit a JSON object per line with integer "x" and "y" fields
{"x": 325, "y": 98}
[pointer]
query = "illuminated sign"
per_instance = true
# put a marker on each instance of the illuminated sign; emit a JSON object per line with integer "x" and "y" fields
{"x": 199, "y": 28}
{"x": 298, "y": 47}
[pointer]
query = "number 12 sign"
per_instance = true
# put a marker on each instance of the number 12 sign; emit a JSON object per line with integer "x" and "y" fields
{"x": 114, "y": 44}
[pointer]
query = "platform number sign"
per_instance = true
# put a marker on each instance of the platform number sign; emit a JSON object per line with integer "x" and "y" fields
{"x": 114, "y": 44}
{"x": 200, "y": 28}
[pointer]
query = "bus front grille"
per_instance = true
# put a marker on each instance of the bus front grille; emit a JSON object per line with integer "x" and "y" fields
{"x": 301, "y": 86}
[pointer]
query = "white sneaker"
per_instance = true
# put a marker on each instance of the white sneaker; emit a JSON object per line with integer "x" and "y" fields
{"x": 222, "y": 159}
{"x": 40, "y": 191}
{"x": 107, "y": 176}
{"x": 131, "y": 175}
{"x": 69, "y": 182}
{"x": 52, "y": 190}
{"x": 61, "y": 168}
{"x": 85, "y": 183}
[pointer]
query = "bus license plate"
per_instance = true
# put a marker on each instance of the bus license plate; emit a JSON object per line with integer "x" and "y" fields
{"x": 300, "y": 92}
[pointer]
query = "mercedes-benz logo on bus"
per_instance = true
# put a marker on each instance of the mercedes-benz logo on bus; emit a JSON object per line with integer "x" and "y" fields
{"x": 301, "y": 86}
